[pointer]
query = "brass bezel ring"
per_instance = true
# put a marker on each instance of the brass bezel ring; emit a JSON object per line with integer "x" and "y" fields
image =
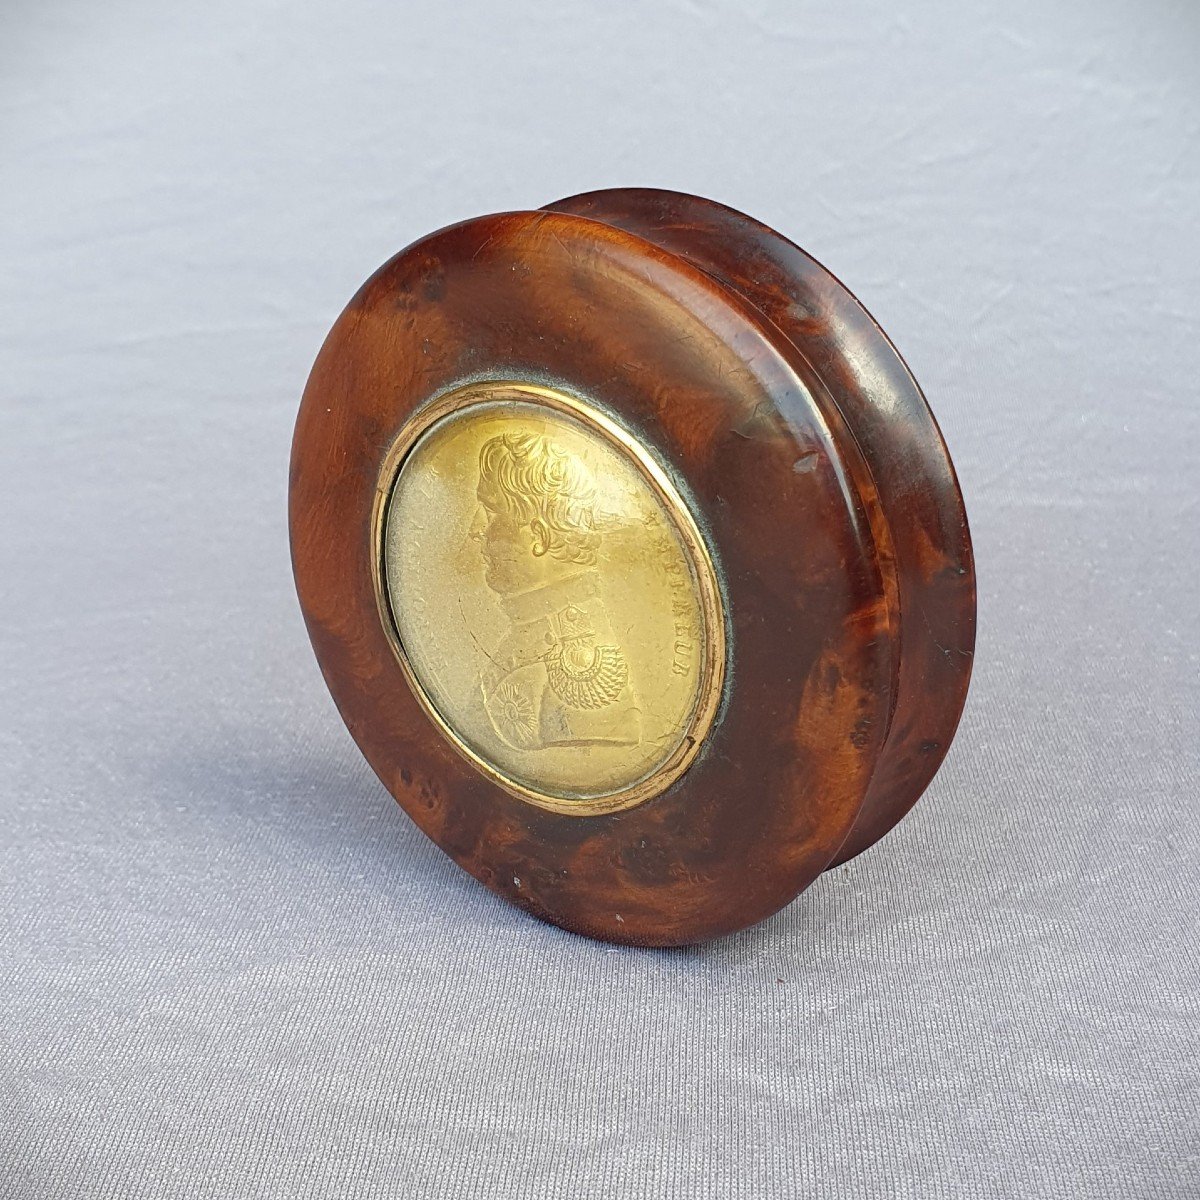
{"x": 712, "y": 670}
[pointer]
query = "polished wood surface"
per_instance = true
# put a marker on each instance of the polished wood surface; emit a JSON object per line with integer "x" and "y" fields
{"x": 918, "y": 496}
{"x": 835, "y": 709}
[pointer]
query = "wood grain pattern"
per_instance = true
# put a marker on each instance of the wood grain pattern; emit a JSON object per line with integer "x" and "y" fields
{"x": 756, "y": 429}
{"x": 863, "y": 373}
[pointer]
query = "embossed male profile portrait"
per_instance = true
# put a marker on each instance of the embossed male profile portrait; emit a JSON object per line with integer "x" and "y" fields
{"x": 559, "y": 677}
{"x": 552, "y": 604}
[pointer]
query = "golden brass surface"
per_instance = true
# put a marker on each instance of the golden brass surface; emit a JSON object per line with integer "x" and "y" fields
{"x": 549, "y": 596}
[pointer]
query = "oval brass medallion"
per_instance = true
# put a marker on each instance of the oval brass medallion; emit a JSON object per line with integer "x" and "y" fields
{"x": 549, "y": 596}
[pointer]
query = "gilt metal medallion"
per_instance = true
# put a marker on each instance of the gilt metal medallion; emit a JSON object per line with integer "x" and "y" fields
{"x": 549, "y": 596}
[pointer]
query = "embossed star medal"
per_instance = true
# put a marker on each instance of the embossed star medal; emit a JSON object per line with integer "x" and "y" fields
{"x": 633, "y": 559}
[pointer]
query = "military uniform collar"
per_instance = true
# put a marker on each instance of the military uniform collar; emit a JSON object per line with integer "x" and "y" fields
{"x": 545, "y": 601}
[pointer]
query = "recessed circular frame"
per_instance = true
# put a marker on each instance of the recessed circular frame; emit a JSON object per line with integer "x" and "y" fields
{"x": 547, "y": 458}
{"x": 582, "y": 678}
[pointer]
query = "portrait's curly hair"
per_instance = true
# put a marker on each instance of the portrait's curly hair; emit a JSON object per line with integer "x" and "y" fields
{"x": 545, "y": 488}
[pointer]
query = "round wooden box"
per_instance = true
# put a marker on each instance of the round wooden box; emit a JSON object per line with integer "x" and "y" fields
{"x": 634, "y": 560}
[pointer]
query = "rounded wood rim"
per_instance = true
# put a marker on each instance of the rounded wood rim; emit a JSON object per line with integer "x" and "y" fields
{"x": 918, "y": 492}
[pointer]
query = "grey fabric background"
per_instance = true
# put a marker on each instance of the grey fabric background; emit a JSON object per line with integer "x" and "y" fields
{"x": 230, "y": 967}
